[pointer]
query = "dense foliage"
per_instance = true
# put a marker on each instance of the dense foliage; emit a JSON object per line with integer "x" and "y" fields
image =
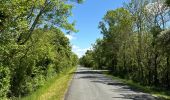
{"x": 32, "y": 46}
{"x": 135, "y": 43}
{"x": 168, "y": 2}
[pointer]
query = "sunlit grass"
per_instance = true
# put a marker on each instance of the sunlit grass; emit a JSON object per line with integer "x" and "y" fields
{"x": 54, "y": 89}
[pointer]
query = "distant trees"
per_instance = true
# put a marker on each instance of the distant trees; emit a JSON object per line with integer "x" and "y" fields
{"x": 32, "y": 46}
{"x": 135, "y": 43}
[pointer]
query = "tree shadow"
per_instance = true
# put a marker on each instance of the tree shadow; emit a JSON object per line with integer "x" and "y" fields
{"x": 87, "y": 72}
{"x": 125, "y": 91}
{"x": 137, "y": 97}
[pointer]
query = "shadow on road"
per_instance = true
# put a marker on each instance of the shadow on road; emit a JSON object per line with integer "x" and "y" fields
{"x": 87, "y": 72}
{"x": 126, "y": 92}
{"x": 137, "y": 97}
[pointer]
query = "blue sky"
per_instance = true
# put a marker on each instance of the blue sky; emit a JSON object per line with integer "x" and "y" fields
{"x": 87, "y": 16}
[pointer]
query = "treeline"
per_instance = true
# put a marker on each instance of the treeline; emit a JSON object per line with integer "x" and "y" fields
{"x": 33, "y": 48}
{"x": 135, "y": 43}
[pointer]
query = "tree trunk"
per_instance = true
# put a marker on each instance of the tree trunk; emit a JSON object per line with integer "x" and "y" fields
{"x": 167, "y": 74}
{"x": 156, "y": 81}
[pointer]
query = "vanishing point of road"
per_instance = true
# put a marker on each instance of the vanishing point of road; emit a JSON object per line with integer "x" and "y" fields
{"x": 90, "y": 84}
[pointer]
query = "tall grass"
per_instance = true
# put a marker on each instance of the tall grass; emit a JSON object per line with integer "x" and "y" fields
{"x": 54, "y": 89}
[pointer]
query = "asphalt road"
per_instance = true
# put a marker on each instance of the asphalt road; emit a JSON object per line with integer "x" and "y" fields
{"x": 90, "y": 84}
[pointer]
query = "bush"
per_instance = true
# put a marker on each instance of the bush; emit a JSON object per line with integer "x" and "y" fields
{"x": 4, "y": 81}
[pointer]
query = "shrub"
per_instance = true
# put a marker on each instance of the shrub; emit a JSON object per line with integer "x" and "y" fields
{"x": 4, "y": 81}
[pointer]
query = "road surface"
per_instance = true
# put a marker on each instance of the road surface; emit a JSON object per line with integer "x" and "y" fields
{"x": 90, "y": 84}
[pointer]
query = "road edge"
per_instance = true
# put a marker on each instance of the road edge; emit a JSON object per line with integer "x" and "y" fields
{"x": 69, "y": 85}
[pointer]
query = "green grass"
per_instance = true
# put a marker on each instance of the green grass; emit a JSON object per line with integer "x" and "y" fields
{"x": 54, "y": 89}
{"x": 156, "y": 92}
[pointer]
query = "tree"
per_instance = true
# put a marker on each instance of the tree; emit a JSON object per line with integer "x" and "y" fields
{"x": 87, "y": 60}
{"x": 119, "y": 25}
{"x": 29, "y": 53}
{"x": 168, "y": 2}
{"x": 29, "y": 15}
{"x": 135, "y": 43}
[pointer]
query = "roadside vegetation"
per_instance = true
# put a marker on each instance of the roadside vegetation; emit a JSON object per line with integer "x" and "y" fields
{"x": 135, "y": 45}
{"x": 33, "y": 49}
{"x": 55, "y": 88}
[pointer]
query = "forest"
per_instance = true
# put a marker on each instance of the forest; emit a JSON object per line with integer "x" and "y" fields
{"x": 33, "y": 47}
{"x": 135, "y": 43}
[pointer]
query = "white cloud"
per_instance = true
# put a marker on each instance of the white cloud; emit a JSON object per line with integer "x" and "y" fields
{"x": 79, "y": 51}
{"x": 70, "y": 36}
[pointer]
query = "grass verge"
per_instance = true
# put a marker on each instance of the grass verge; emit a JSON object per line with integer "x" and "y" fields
{"x": 54, "y": 89}
{"x": 160, "y": 93}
